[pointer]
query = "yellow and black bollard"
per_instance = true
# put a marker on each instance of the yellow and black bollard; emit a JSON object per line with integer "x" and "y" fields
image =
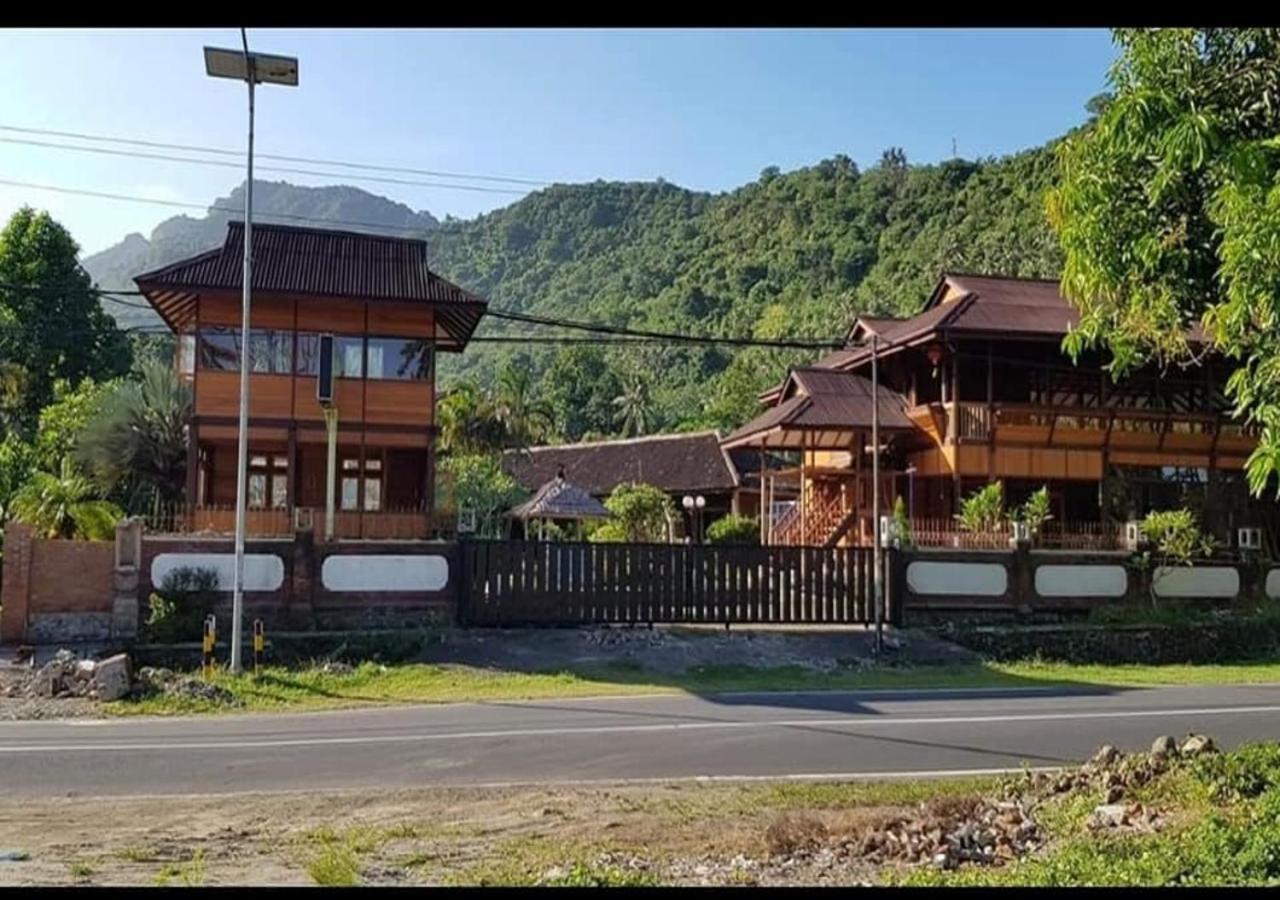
{"x": 207, "y": 644}
{"x": 258, "y": 643}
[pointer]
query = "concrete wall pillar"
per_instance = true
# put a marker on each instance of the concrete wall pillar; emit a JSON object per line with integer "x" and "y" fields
{"x": 124, "y": 599}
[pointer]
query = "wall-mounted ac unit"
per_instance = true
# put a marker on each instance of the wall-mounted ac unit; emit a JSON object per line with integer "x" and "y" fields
{"x": 466, "y": 521}
{"x": 1132, "y": 535}
{"x": 303, "y": 518}
{"x": 1249, "y": 538}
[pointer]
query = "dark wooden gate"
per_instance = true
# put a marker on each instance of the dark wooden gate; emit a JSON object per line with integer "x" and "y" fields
{"x": 552, "y": 583}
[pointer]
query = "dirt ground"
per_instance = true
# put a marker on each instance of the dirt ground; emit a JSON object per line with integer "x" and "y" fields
{"x": 678, "y": 833}
{"x": 676, "y": 648}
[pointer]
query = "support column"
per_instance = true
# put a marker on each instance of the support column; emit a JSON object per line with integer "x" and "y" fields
{"x": 764, "y": 509}
{"x": 193, "y": 472}
{"x": 291, "y": 493}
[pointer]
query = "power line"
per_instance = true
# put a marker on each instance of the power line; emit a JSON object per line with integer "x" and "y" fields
{"x": 178, "y": 204}
{"x": 221, "y": 151}
{"x": 109, "y": 151}
{"x": 613, "y": 330}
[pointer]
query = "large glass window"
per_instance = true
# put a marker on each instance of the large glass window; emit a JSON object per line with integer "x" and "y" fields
{"x": 186, "y": 354}
{"x": 308, "y": 362}
{"x": 220, "y": 348}
{"x": 271, "y": 350}
{"x": 399, "y": 359}
{"x": 348, "y": 357}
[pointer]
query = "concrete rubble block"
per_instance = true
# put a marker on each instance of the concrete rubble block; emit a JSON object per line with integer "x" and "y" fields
{"x": 1195, "y": 744}
{"x": 1164, "y": 745}
{"x": 111, "y": 680}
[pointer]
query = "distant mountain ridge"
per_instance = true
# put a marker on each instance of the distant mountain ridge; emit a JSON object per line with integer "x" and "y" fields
{"x": 338, "y": 206}
{"x": 794, "y": 254}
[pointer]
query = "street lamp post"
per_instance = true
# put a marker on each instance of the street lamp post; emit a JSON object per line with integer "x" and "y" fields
{"x": 877, "y": 590}
{"x": 694, "y": 506}
{"x": 252, "y": 68}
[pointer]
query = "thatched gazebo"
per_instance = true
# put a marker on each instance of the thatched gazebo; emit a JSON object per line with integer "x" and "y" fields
{"x": 558, "y": 501}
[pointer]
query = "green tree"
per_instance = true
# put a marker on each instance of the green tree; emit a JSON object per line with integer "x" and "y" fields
{"x": 525, "y": 418}
{"x": 635, "y": 405}
{"x": 64, "y": 506}
{"x": 734, "y": 530}
{"x": 478, "y": 482}
{"x": 638, "y": 513}
{"x": 51, "y": 323}
{"x": 17, "y": 461}
{"x": 1168, "y": 213}
{"x": 580, "y": 386}
{"x": 468, "y": 422}
{"x": 62, "y": 421}
{"x": 134, "y": 445}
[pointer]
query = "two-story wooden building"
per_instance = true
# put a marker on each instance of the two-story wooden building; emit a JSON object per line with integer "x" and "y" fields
{"x": 389, "y": 315}
{"x": 976, "y": 388}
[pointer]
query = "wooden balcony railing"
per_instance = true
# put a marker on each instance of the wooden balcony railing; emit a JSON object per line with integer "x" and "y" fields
{"x": 389, "y": 524}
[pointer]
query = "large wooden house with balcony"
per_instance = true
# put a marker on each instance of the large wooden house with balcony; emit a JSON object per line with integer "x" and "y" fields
{"x": 976, "y": 388}
{"x": 389, "y": 315}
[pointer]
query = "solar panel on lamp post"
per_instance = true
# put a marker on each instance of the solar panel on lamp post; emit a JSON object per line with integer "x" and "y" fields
{"x": 252, "y": 68}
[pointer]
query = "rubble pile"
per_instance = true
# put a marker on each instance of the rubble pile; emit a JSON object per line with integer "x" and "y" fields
{"x": 152, "y": 681}
{"x": 66, "y": 676}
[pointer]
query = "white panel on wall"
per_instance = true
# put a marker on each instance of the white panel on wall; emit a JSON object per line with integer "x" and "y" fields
{"x": 1202, "y": 581}
{"x": 1081, "y": 581}
{"x": 1273, "y": 584}
{"x": 958, "y": 578}
{"x": 262, "y": 571}
{"x": 385, "y": 573}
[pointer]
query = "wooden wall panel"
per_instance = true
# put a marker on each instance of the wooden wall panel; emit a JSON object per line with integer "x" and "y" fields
{"x": 338, "y": 316}
{"x": 400, "y": 320}
{"x": 264, "y": 311}
{"x": 218, "y": 394}
{"x": 398, "y": 402}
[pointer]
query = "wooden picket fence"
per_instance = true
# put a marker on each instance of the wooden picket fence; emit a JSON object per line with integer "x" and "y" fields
{"x": 553, "y": 583}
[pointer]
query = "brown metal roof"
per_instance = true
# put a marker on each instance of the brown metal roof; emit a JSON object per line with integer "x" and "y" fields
{"x": 676, "y": 463}
{"x": 829, "y": 405}
{"x": 319, "y": 262}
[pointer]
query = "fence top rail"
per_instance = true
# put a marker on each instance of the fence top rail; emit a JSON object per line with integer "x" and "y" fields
{"x": 473, "y": 541}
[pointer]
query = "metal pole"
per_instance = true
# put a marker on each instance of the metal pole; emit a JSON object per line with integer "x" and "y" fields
{"x": 875, "y": 496}
{"x": 237, "y": 596}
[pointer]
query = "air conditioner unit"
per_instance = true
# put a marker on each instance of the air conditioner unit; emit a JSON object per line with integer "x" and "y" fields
{"x": 303, "y": 518}
{"x": 466, "y": 521}
{"x": 1132, "y": 535}
{"x": 1249, "y": 538}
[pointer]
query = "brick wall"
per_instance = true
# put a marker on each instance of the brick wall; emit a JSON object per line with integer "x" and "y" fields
{"x": 55, "y": 589}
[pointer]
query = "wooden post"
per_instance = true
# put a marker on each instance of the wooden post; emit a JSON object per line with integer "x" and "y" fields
{"x": 193, "y": 473}
{"x": 291, "y": 484}
{"x": 764, "y": 510}
{"x": 804, "y": 459}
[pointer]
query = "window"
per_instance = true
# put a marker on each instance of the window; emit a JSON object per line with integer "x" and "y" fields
{"x": 399, "y": 359}
{"x": 186, "y": 354}
{"x": 351, "y": 482}
{"x": 220, "y": 348}
{"x": 348, "y": 357}
{"x": 268, "y": 481}
{"x": 308, "y": 362}
{"x": 270, "y": 351}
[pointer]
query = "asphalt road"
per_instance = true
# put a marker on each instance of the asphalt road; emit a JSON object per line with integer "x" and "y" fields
{"x": 792, "y": 735}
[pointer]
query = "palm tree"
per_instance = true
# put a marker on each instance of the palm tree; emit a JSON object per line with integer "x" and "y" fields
{"x": 468, "y": 423}
{"x": 527, "y": 419}
{"x": 635, "y": 405}
{"x": 136, "y": 444}
{"x": 63, "y": 506}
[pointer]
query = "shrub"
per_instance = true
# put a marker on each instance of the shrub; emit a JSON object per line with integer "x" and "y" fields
{"x": 734, "y": 530}
{"x": 180, "y": 606}
{"x": 1035, "y": 512}
{"x": 983, "y": 510}
{"x": 1177, "y": 537}
{"x": 639, "y": 513}
{"x": 902, "y": 524}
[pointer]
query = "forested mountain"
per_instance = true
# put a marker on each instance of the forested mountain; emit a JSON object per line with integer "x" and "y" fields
{"x": 791, "y": 254}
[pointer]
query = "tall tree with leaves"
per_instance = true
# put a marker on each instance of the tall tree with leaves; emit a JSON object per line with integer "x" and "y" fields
{"x": 635, "y": 405}
{"x": 135, "y": 445}
{"x": 1168, "y": 213}
{"x": 51, "y": 323}
{"x": 526, "y": 417}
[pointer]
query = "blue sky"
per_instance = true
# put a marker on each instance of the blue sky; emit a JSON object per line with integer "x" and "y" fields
{"x": 706, "y": 109}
